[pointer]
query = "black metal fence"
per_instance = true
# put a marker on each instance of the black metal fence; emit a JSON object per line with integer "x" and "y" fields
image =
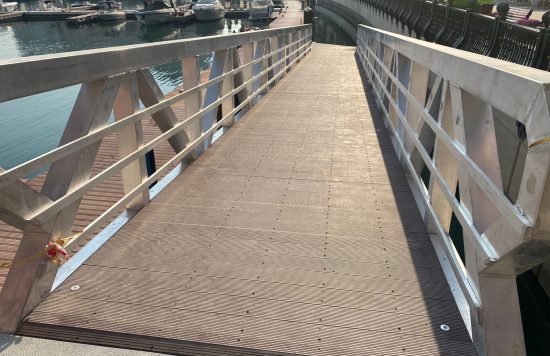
{"x": 468, "y": 30}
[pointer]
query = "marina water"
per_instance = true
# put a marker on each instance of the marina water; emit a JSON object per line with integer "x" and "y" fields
{"x": 33, "y": 125}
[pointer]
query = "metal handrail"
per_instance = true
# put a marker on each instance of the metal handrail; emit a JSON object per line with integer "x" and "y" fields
{"x": 455, "y": 28}
{"x": 54, "y": 71}
{"x": 462, "y": 100}
{"x": 244, "y": 67}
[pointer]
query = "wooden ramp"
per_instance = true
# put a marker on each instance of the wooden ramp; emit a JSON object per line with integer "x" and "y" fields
{"x": 296, "y": 233}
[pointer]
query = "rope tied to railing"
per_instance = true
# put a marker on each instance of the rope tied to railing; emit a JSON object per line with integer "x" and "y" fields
{"x": 539, "y": 142}
{"x": 54, "y": 250}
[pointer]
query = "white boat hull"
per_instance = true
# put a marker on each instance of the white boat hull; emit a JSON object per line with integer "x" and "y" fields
{"x": 8, "y": 7}
{"x": 155, "y": 17}
{"x": 111, "y": 16}
{"x": 209, "y": 13}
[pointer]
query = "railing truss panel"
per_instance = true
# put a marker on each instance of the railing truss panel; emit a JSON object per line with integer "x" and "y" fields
{"x": 244, "y": 67}
{"x": 444, "y": 122}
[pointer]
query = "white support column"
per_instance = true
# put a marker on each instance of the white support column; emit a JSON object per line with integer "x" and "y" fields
{"x": 288, "y": 41}
{"x": 238, "y": 78}
{"x": 248, "y": 57}
{"x": 501, "y": 317}
{"x": 273, "y": 45}
{"x": 27, "y": 284}
{"x": 445, "y": 164}
{"x": 404, "y": 68}
{"x": 191, "y": 78}
{"x": 418, "y": 86}
{"x": 257, "y": 68}
{"x": 227, "y": 86}
{"x": 213, "y": 94}
{"x": 130, "y": 139}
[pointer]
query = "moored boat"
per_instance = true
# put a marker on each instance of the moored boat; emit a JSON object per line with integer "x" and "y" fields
{"x": 155, "y": 13}
{"x": 208, "y": 10}
{"x": 111, "y": 15}
{"x": 82, "y": 5}
{"x": 261, "y": 10}
{"x": 7, "y": 6}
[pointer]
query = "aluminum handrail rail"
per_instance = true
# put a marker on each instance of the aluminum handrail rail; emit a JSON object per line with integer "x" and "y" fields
{"x": 53, "y": 71}
{"x": 245, "y": 67}
{"x": 447, "y": 111}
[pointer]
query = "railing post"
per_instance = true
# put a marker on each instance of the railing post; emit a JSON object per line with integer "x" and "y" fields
{"x": 239, "y": 79}
{"x": 49, "y": 215}
{"x": 272, "y": 46}
{"x": 191, "y": 78}
{"x": 493, "y": 256}
{"x": 248, "y": 57}
{"x": 213, "y": 94}
{"x": 227, "y": 86}
{"x": 501, "y": 316}
{"x": 28, "y": 284}
{"x": 288, "y": 41}
{"x": 130, "y": 139}
{"x": 259, "y": 52}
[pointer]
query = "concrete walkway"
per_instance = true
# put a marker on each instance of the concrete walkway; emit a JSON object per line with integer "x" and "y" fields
{"x": 28, "y": 346}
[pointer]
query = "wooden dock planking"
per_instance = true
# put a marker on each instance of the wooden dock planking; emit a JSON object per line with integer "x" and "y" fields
{"x": 292, "y": 15}
{"x": 97, "y": 200}
{"x": 296, "y": 232}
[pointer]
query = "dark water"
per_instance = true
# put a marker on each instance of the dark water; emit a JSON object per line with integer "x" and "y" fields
{"x": 327, "y": 28}
{"x": 33, "y": 125}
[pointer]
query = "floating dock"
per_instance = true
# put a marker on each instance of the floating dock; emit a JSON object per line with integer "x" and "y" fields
{"x": 11, "y": 16}
{"x": 53, "y": 15}
{"x": 80, "y": 17}
{"x": 237, "y": 14}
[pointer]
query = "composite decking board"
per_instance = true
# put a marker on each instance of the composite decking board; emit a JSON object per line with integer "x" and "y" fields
{"x": 97, "y": 200}
{"x": 295, "y": 233}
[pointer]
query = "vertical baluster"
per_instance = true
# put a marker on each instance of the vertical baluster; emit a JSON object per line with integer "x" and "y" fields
{"x": 248, "y": 57}
{"x": 28, "y": 284}
{"x": 191, "y": 78}
{"x": 227, "y": 86}
{"x": 257, "y": 67}
{"x": 273, "y": 46}
{"x": 213, "y": 94}
{"x": 288, "y": 41}
{"x": 265, "y": 63}
{"x": 130, "y": 139}
{"x": 238, "y": 79}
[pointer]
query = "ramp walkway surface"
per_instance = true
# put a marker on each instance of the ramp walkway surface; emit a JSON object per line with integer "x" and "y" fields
{"x": 295, "y": 233}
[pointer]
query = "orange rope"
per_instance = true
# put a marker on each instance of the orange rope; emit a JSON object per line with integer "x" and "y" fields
{"x": 539, "y": 142}
{"x": 54, "y": 250}
{"x": 9, "y": 264}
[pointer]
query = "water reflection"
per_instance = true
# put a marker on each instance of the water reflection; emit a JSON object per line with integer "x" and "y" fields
{"x": 206, "y": 28}
{"x": 31, "y": 126}
{"x": 28, "y": 5}
{"x": 331, "y": 28}
{"x": 162, "y": 32}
